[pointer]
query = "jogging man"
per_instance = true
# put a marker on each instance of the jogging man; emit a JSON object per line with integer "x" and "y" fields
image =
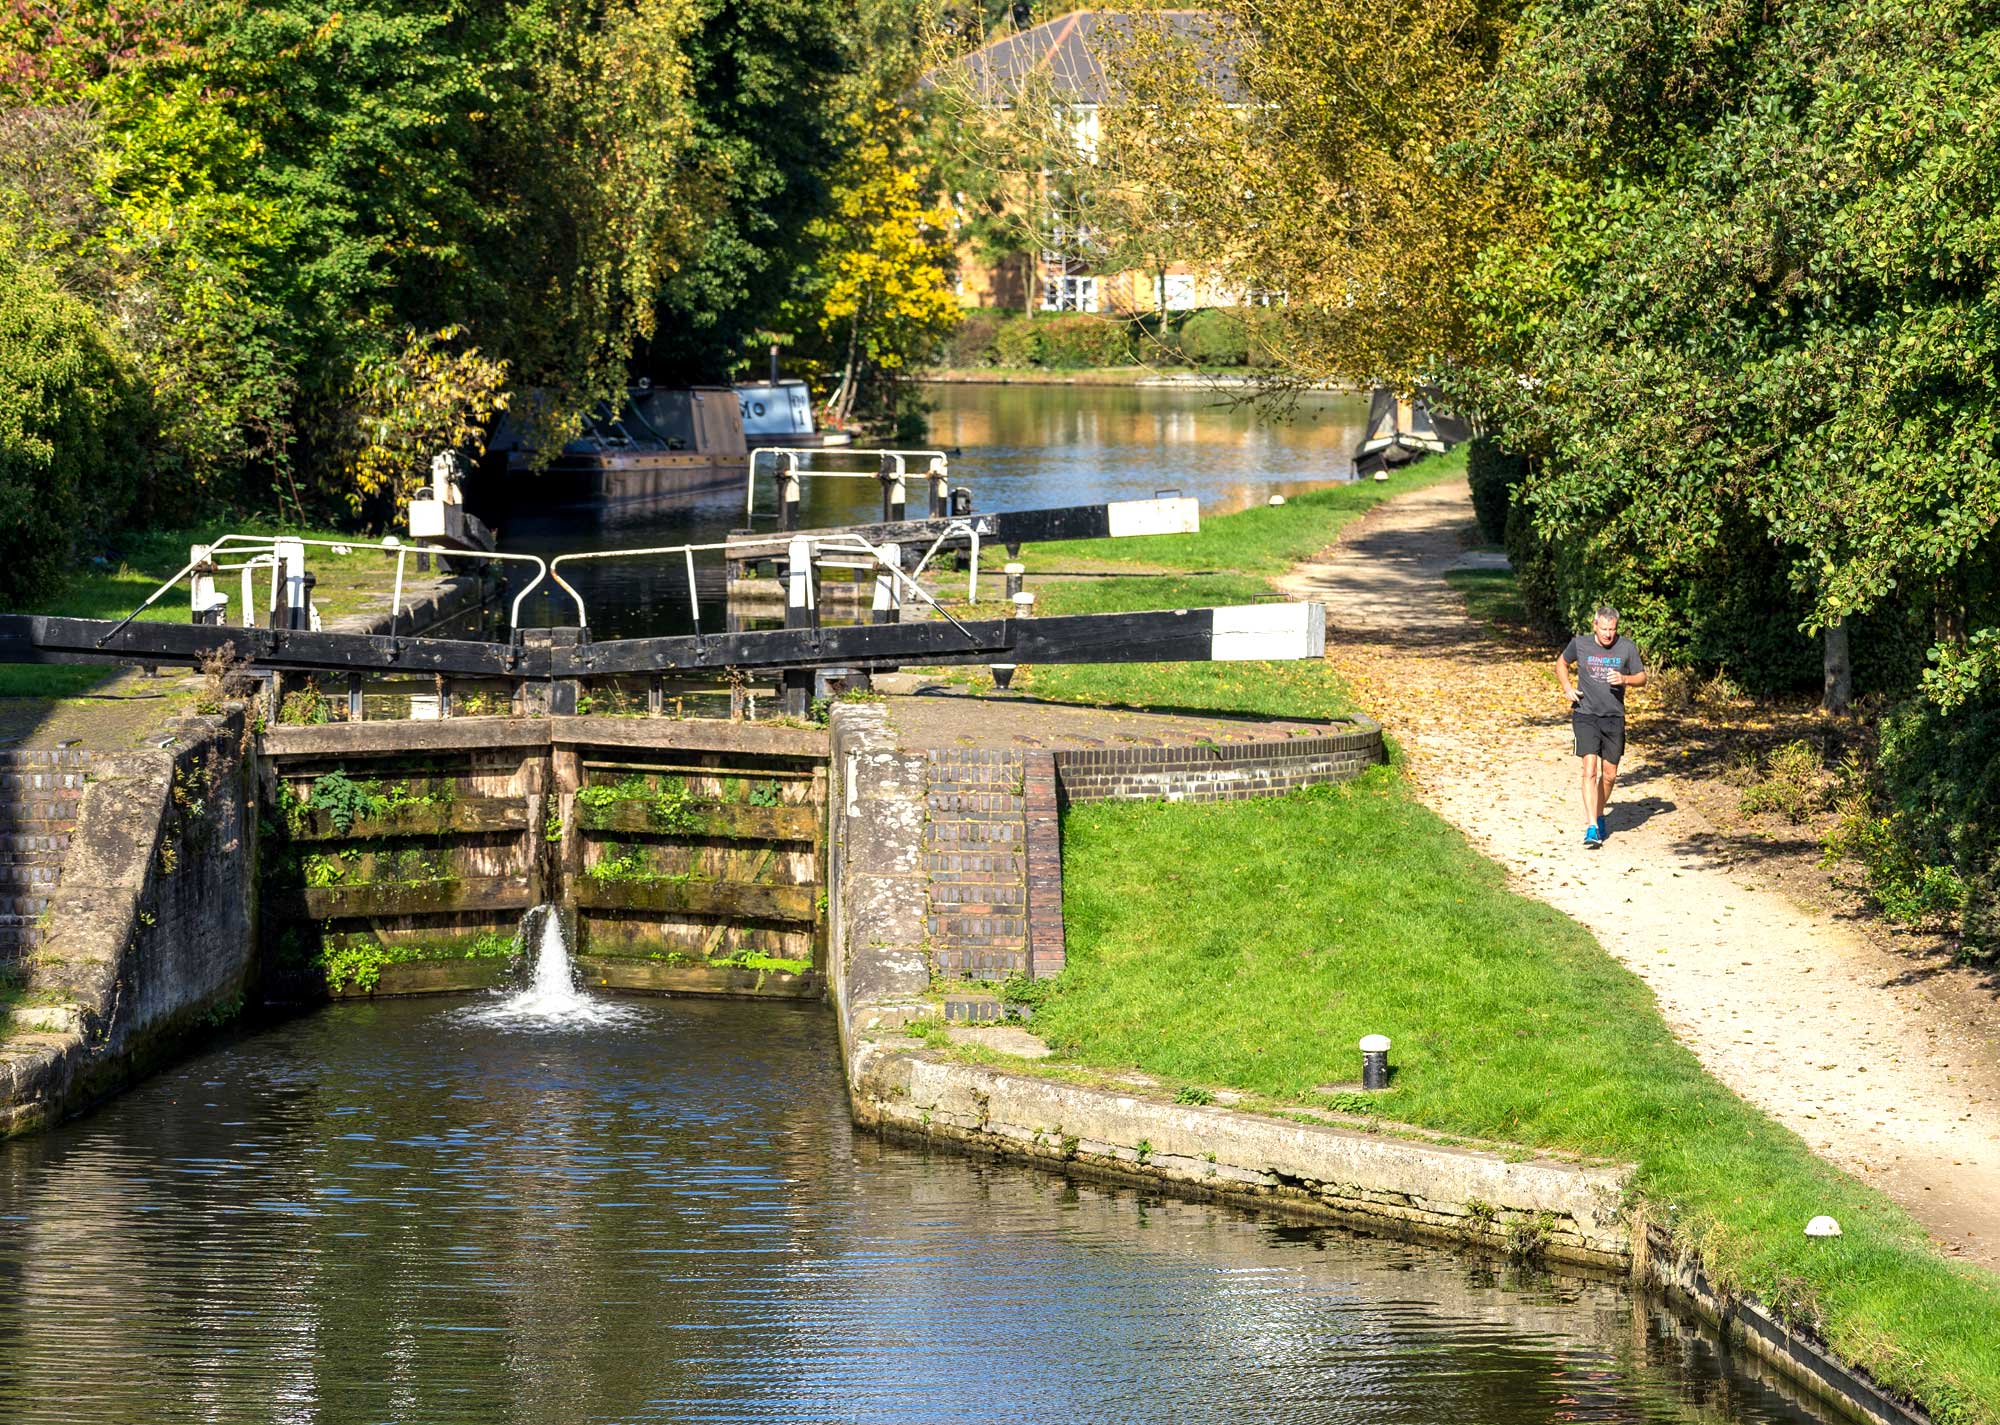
{"x": 1606, "y": 665}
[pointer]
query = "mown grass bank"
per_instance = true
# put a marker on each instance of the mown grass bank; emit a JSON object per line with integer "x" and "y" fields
{"x": 1249, "y": 945}
{"x": 1231, "y": 561}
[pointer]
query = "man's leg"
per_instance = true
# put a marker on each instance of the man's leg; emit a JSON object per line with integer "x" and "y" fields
{"x": 1593, "y": 777}
{"x": 1607, "y": 778}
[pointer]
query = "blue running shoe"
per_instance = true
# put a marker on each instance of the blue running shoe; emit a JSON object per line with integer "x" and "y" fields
{"x": 1604, "y": 828}
{"x": 1592, "y": 837}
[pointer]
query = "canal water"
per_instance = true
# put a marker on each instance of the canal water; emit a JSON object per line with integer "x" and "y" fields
{"x": 401, "y": 1211}
{"x": 1013, "y": 447}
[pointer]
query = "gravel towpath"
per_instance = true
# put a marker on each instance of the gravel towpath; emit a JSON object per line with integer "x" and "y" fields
{"x": 1870, "y": 1058}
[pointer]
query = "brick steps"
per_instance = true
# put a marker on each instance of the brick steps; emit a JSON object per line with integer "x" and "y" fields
{"x": 974, "y": 861}
{"x": 40, "y": 792}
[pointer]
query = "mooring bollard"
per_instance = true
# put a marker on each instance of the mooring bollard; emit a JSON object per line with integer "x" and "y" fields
{"x": 206, "y": 604}
{"x": 1020, "y": 605}
{"x": 801, "y": 611}
{"x": 887, "y": 605}
{"x": 1375, "y": 1062}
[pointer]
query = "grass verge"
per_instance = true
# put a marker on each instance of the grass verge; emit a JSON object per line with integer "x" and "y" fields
{"x": 1493, "y": 596}
{"x": 112, "y": 588}
{"x": 1229, "y": 562}
{"x": 1251, "y": 944}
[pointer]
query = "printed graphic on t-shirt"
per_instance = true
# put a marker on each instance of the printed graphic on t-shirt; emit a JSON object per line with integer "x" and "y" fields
{"x": 1602, "y": 666}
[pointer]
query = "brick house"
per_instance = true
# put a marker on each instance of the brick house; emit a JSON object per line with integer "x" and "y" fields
{"x": 1069, "y": 62}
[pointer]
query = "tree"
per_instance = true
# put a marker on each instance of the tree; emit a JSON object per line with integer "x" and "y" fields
{"x": 769, "y": 83}
{"x": 885, "y": 300}
{"x": 408, "y": 408}
{"x": 260, "y": 199}
{"x": 72, "y": 427}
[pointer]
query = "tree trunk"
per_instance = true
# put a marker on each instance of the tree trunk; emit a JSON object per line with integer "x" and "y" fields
{"x": 1839, "y": 670}
{"x": 843, "y": 396}
{"x": 1948, "y": 614}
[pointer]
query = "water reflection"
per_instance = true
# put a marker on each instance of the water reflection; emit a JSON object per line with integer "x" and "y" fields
{"x": 383, "y": 1212}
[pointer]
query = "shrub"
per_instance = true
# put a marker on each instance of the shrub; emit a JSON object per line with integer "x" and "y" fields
{"x": 1793, "y": 782}
{"x": 1492, "y": 473}
{"x": 1262, "y": 325}
{"x": 1671, "y": 690}
{"x": 1075, "y": 341}
{"x": 1216, "y": 337}
{"x": 971, "y": 341}
{"x": 1926, "y": 827}
{"x": 1017, "y": 343}
{"x": 72, "y": 421}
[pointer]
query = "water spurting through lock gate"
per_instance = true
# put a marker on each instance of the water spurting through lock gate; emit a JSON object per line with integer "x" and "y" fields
{"x": 550, "y": 1000}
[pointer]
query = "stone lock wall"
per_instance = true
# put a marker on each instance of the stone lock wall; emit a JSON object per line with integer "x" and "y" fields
{"x": 149, "y": 936}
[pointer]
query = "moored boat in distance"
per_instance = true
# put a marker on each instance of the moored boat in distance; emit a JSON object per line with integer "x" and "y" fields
{"x": 661, "y": 446}
{"x": 779, "y": 414}
{"x": 1405, "y": 428}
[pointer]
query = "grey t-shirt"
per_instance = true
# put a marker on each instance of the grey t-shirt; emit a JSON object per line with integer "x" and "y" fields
{"x": 1594, "y": 664}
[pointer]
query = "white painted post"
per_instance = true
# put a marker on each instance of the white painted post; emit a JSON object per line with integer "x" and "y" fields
{"x": 940, "y": 489}
{"x": 788, "y": 494}
{"x": 293, "y": 553}
{"x": 801, "y": 604}
{"x": 888, "y": 601}
{"x": 203, "y": 601}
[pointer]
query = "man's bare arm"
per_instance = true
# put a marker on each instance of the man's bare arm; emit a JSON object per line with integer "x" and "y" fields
{"x": 1628, "y": 680}
{"x": 1562, "y": 675}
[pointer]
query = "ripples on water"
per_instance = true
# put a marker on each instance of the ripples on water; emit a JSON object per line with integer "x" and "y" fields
{"x": 388, "y": 1211}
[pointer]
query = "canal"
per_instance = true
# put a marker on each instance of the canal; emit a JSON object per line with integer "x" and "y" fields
{"x": 421, "y": 1211}
{"x": 1014, "y": 447}
{"x": 401, "y": 1211}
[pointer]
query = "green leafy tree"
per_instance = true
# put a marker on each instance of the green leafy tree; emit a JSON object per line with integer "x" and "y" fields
{"x": 883, "y": 299}
{"x": 72, "y": 424}
{"x": 771, "y": 82}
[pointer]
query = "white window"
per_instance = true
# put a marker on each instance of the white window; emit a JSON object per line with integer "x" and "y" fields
{"x": 1178, "y": 292}
{"x": 1069, "y": 294}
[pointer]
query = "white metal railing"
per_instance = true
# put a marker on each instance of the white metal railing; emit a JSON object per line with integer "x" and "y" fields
{"x": 885, "y": 559}
{"x": 248, "y": 555}
{"x": 937, "y": 468}
{"x": 268, "y": 551}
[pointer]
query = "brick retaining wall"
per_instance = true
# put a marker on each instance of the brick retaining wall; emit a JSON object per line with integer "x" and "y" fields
{"x": 1217, "y": 771}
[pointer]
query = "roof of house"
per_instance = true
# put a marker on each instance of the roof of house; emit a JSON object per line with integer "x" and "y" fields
{"x": 1075, "y": 50}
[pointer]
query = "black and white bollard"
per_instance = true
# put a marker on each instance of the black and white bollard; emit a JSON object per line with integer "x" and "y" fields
{"x": 801, "y": 611}
{"x": 207, "y": 605}
{"x": 1019, "y": 605}
{"x": 1374, "y": 1062}
{"x": 894, "y": 492}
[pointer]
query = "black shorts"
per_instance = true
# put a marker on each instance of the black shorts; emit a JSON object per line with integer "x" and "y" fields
{"x": 1598, "y": 736}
